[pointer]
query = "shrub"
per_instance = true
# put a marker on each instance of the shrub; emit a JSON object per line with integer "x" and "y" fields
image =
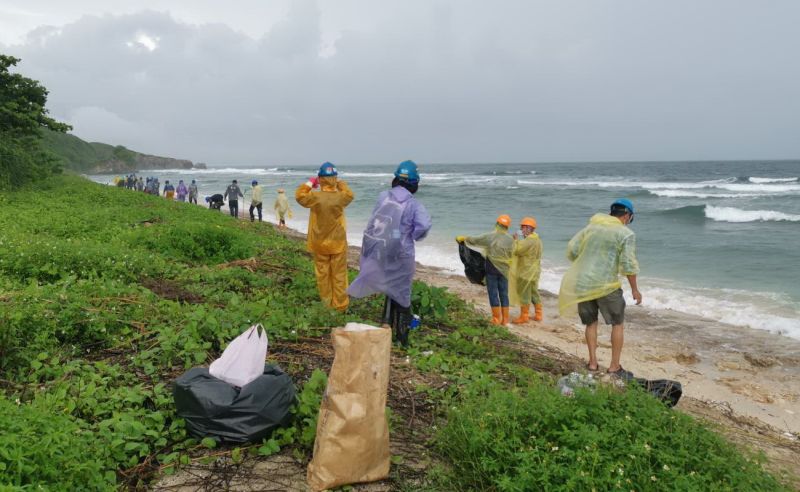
{"x": 42, "y": 450}
{"x": 532, "y": 438}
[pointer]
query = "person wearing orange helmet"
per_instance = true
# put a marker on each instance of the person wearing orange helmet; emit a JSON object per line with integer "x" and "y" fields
{"x": 526, "y": 266}
{"x": 497, "y": 248}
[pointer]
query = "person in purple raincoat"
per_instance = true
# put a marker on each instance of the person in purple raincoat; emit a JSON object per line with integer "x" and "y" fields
{"x": 181, "y": 191}
{"x": 387, "y": 251}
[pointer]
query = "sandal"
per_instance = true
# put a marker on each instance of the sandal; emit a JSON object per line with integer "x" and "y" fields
{"x": 590, "y": 369}
{"x": 621, "y": 373}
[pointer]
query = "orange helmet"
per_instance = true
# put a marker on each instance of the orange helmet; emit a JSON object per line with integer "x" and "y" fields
{"x": 528, "y": 221}
{"x": 504, "y": 220}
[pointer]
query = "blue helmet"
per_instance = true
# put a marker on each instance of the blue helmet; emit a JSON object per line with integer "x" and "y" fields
{"x": 407, "y": 170}
{"x": 624, "y": 202}
{"x": 326, "y": 170}
{"x": 254, "y": 182}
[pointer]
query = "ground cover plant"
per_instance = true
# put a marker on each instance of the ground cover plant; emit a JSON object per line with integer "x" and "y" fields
{"x": 107, "y": 295}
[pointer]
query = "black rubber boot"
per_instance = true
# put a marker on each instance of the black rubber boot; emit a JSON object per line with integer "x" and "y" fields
{"x": 403, "y": 323}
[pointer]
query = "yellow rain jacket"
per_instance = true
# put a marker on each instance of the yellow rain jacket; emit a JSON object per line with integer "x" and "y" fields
{"x": 496, "y": 247}
{"x": 326, "y": 224}
{"x": 599, "y": 253}
{"x": 526, "y": 267}
{"x": 327, "y": 237}
{"x": 258, "y": 194}
{"x": 282, "y": 206}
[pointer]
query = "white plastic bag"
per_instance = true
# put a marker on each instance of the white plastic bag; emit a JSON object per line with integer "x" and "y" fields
{"x": 243, "y": 359}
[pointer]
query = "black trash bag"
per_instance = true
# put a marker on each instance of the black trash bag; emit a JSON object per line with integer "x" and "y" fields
{"x": 213, "y": 408}
{"x": 664, "y": 389}
{"x": 474, "y": 264}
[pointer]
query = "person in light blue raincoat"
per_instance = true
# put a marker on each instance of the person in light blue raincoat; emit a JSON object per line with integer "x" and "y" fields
{"x": 387, "y": 251}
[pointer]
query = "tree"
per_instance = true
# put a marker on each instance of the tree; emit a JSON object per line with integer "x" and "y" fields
{"x": 22, "y": 116}
{"x": 22, "y": 103}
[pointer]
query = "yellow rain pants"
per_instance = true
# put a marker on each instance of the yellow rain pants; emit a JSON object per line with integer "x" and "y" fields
{"x": 599, "y": 253}
{"x": 496, "y": 246}
{"x": 526, "y": 267}
{"x": 327, "y": 237}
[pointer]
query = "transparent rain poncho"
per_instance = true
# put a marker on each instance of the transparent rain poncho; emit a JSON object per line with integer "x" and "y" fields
{"x": 387, "y": 252}
{"x": 599, "y": 253}
{"x": 526, "y": 267}
{"x": 496, "y": 246}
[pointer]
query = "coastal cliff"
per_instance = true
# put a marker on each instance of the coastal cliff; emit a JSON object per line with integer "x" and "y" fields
{"x": 100, "y": 158}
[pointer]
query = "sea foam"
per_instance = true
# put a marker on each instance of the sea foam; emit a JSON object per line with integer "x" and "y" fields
{"x": 731, "y": 214}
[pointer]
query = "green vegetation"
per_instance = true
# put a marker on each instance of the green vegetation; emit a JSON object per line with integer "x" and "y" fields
{"x": 22, "y": 118}
{"x": 81, "y": 156}
{"x": 107, "y": 295}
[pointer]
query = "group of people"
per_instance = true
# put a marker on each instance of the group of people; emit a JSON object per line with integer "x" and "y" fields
{"x": 599, "y": 253}
{"x": 152, "y": 186}
{"x": 233, "y": 192}
{"x": 387, "y": 262}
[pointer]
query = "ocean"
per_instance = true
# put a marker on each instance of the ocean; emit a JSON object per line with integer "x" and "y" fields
{"x": 718, "y": 240}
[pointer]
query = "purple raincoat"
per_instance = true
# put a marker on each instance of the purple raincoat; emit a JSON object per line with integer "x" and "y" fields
{"x": 182, "y": 191}
{"x": 387, "y": 251}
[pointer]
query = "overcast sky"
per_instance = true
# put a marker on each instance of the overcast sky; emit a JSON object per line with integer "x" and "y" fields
{"x": 253, "y": 82}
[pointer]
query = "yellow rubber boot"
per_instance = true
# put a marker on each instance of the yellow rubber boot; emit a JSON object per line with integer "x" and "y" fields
{"x": 539, "y": 314}
{"x": 496, "y": 315}
{"x": 506, "y": 316}
{"x": 524, "y": 311}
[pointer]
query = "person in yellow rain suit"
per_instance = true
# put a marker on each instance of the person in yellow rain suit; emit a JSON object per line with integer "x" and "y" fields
{"x": 327, "y": 236}
{"x": 599, "y": 253}
{"x": 497, "y": 247}
{"x": 282, "y": 208}
{"x": 526, "y": 266}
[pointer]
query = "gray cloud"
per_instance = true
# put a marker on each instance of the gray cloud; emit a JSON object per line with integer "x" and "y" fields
{"x": 435, "y": 81}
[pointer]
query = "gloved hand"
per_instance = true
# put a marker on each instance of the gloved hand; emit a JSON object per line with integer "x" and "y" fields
{"x": 313, "y": 182}
{"x": 461, "y": 239}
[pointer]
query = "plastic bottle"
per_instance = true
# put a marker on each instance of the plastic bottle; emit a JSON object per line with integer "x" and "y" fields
{"x": 415, "y": 322}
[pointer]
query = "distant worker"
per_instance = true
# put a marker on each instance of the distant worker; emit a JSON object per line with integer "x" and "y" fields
{"x": 169, "y": 190}
{"x": 327, "y": 237}
{"x": 526, "y": 267}
{"x": 599, "y": 253}
{"x": 387, "y": 250}
{"x": 256, "y": 201}
{"x": 497, "y": 248}
{"x": 232, "y": 194}
{"x": 140, "y": 184}
{"x": 282, "y": 209}
{"x": 181, "y": 191}
{"x": 193, "y": 192}
{"x": 215, "y": 202}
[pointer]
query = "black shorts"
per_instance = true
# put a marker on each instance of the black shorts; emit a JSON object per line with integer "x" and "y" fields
{"x": 612, "y": 306}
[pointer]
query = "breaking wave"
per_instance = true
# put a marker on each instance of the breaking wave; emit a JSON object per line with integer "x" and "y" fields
{"x": 757, "y": 180}
{"x": 731, "y": 214}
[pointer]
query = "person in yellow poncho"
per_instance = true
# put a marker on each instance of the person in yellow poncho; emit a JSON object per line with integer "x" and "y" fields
{"x": 496, "y": 247}
{"x": 327, "y": 236}
{"x": 526, "y": 266}
{"x": 599, "y": 253}
{"x": 282, "y": 209}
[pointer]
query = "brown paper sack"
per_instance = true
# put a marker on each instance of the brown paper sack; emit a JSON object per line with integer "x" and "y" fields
{"x": 352, "y": 443}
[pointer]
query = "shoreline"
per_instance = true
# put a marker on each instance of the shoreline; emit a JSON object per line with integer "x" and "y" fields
{"x": 668, "y": 345}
